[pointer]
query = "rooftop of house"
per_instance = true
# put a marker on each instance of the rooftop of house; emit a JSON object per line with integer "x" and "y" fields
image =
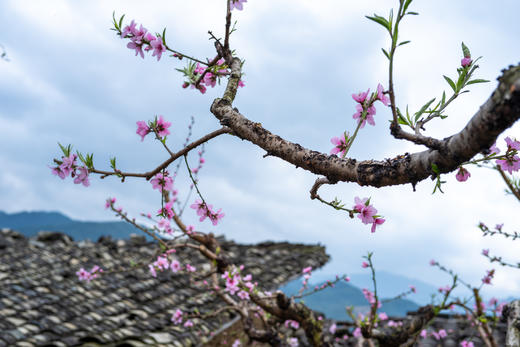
{"x": 42, "y": 302}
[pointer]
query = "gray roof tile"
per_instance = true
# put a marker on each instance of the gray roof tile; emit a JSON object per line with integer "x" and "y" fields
{"x": 43, "y": 303}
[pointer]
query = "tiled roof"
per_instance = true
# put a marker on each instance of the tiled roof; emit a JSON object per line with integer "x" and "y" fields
{"x": 42, "y": 303}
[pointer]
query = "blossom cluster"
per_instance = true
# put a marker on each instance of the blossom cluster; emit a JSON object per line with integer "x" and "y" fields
{"x": 210, "y": 76}
{"x": 163, "y": 182}
{"x": 159, "y": 126}
{"x": 509, "y": 163}
{"x": 166, "y": 210}
{"x": 489, "y": 276}
{"x": 201, "y": 162}
{"x": 370, "y": 297}
{"x": 68, "y": 167}
{"x": 238, "y": 4}
{"x": 512, "y": 161}
{"x": 178, "y": 317}
{"x": 110, "y": 203}
{"x": 444, "y": 290}
{"x": 162, "y": 263}
{"x": 367, "y": 213}
{"x": 495, "y": 307}
{"x": 206, "y": 211}
{"x": 392, "y": 323}
{"x": 142, "y": 39}
{"x": 325, "y": 284}
{"x": 164, "y": 225}
{"x": 236, "y": 284}
{"x": 291, "y": 323}
{"x": 365, "y": 109}
{"x": 340, "y": 144}
{"x": 437, "y": 335}
{"x": 88, "y": 276}
{"x": 307, "y": 273}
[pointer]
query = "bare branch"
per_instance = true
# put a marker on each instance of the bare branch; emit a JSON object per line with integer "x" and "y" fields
{"x": 165, "y": 164}
{"x": 509, "y": 184}
{"x": 319, "y": 182}
{"x": 417, "y": 138}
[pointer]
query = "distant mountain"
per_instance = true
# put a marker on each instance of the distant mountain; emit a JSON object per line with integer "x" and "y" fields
{"x": 390, "y": 285}
{"x": 30, "y": 223}
{"x": 332, "y": 301}
{"x": 25, "y": 219}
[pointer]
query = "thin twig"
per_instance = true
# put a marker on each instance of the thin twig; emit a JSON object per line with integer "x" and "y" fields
{"x": 148, "y": 175}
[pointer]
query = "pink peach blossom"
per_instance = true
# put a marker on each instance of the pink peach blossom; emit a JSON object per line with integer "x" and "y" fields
{"x": 381, "y": 96}
{"x": 466, "y": 61}
{"x": 462, "y": 175}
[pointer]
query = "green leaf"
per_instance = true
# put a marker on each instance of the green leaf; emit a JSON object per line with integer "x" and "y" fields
{"x": 462, "y": 78}
{"x": 65, "y": 150}
{"x": 421, "y": 111}
{"x": 435, "y": 168}
{"x": 413, "y": 13}
{"x": 380, "y": 20}
{"x": 121, "y": 21}
{"x": 163, "y": 37}
{"x": 90, "y": 160}
{"x": 113, "y": 163}
{"x": 401, "y": 120}
{"x": 451, "y": 83}
{"x": 406, "y": 4}
{"x": 386, "y": 53}
{"x": 476, "y": 81}
{"x": 408, "y": 115}
{"x": 404, "y": 43}
{"x": 114, "y": 19}
{"x": 465, "y": 50}
{"x": 443, "y": 99}
{"x": 81, "y": 157}
{"x": 438, "y": 185}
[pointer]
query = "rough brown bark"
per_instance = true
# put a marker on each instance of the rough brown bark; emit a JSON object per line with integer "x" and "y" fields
{"x": 512, "y": 315}
{"x": 497, "y": 114}
{"x": 399, "y": 337}
{"x": 286, "y": 308}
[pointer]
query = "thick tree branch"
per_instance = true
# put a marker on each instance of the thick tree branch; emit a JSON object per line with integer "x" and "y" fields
{"x": 400, "y": 336}
{"x": 497, "y": 114}
{"x": 286, "y": 308}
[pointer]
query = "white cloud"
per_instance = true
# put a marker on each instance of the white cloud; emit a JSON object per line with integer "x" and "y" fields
{"x": 71, "y": 79}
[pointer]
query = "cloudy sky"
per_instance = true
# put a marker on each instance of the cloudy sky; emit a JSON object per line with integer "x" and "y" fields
{"x": 72, "y": 80}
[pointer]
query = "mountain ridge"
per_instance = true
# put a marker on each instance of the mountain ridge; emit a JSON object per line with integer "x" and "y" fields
{"x": 29, "y": 223}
